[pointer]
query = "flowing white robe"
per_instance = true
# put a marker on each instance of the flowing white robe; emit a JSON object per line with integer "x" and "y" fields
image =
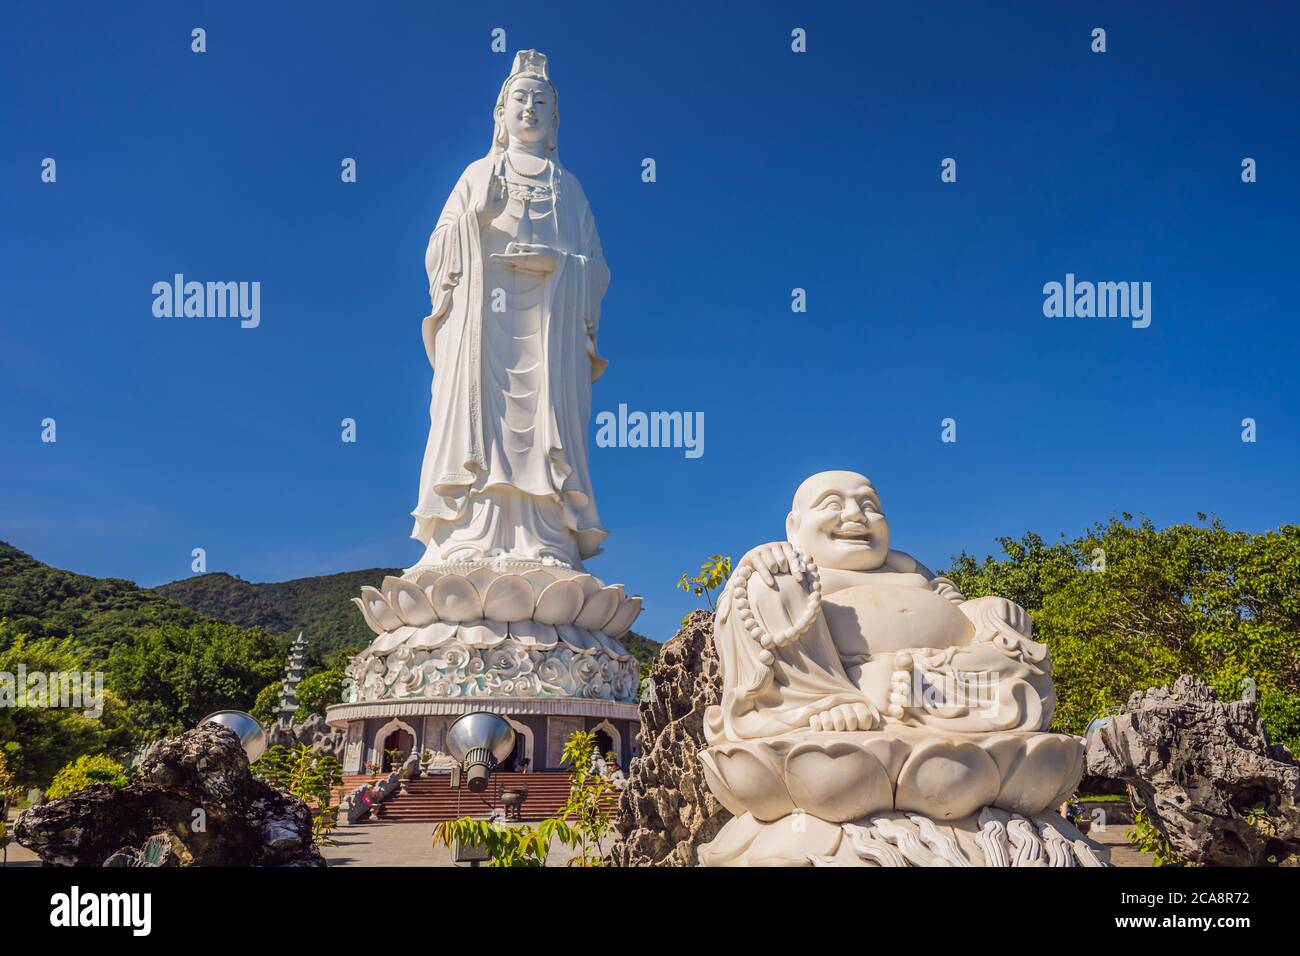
{"x": 535, "y": 501}
{"x": 823, "y": 669}
{"x": 806, "y": 678}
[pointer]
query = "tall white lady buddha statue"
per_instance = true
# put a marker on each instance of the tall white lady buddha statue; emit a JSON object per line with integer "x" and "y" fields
{"x": 516, "y": 278}
{"x": 499, "y": 606}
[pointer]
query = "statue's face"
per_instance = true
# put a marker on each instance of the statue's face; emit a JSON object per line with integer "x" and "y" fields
{"x": 836, "y": 518}
{"x": 529, "y": 111}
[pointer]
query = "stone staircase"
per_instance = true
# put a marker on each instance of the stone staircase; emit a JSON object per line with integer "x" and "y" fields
{"x": 430, "y": 799}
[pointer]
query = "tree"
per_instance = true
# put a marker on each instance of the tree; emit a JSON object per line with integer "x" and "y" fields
{"x": 589, "y": 791}
{"x": 1127, "y": 606}
{"x": 40, "y": 740}
{"x": 311, "y": 777}
{"x": 268, "y": 698}
{"x": 318, "y": 691}
{"x": 174, "y": 676}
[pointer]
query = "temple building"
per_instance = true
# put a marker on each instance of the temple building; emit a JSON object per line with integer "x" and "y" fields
{"x": 442, "y": 651}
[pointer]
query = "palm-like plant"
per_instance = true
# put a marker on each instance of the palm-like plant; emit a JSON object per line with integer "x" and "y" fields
{"x": 581, "y": 823}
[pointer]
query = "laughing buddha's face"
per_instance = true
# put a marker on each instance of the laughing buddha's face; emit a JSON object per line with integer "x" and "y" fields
{"x": 836, "y": 519}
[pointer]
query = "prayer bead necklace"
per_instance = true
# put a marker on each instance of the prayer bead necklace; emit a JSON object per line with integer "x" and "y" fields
{"x": 766, "y": 639}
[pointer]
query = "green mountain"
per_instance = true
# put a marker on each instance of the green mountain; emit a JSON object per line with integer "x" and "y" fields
{"x": 320, "y": 607}
{"x": 164, "y": 665}
{"x": 644, "y": 649}
{"x": 168, "y": 655}
{"x": 40, "y": 601}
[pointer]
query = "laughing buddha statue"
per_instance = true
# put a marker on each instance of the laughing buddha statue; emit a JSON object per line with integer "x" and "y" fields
{"x": 871, "y": 715}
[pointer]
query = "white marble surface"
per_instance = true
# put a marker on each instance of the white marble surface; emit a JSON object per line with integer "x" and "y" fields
{"x": 499, "y": 605}
{"x": 871, "y": 714}
{"x": 516, "y": 278}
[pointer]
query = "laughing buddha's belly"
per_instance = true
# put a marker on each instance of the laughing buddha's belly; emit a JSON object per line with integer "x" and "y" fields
{"x": 873, "y": 618}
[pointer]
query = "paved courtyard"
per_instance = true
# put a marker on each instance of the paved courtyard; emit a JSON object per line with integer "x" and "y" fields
{"x": 19, "y": 855}
{"x": 403, "y": 844}
{"x": 1122, "y": 853}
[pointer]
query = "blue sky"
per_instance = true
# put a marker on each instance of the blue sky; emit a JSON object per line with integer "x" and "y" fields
{"x": 775, "y": 171}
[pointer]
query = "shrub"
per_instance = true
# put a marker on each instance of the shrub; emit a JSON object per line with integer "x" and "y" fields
{"x": 309, "y": 776}
{"x": 85, "y": 771}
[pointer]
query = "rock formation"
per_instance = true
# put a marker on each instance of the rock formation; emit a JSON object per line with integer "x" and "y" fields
{"x": 244, "y": 822}
{"x": 314, "y": 732}
{"x": 667, "y": 811}
{"x": 1206, "y": 774}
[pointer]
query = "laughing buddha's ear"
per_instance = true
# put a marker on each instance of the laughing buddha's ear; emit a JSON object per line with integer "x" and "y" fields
{"x": 791, "y": 525}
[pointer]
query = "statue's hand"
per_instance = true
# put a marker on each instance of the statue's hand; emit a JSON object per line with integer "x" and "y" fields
{"x": 845, "y": 717}
{"x": 769, "y": 560}
{"x": 530, "y": 257}
{"x": 493, "y": 201}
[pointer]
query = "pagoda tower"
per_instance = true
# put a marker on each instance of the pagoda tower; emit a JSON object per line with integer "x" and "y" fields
{"x": 293, "y": 673}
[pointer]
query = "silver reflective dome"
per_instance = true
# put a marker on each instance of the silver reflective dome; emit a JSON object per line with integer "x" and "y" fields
{"x": 480, "y": 730}
{"x": 1096, "y": 726}
{"x": 246, "y": 727}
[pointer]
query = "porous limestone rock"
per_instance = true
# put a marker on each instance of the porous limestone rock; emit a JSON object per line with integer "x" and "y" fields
{"x": 313, "y": 732}
{"x": 244, "y": 822}
{"x": 1199, "y": 764}
{"x": 667, "y": 811}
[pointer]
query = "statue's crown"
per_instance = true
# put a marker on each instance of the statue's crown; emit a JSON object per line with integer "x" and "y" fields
{"x": 532, "y": 63}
